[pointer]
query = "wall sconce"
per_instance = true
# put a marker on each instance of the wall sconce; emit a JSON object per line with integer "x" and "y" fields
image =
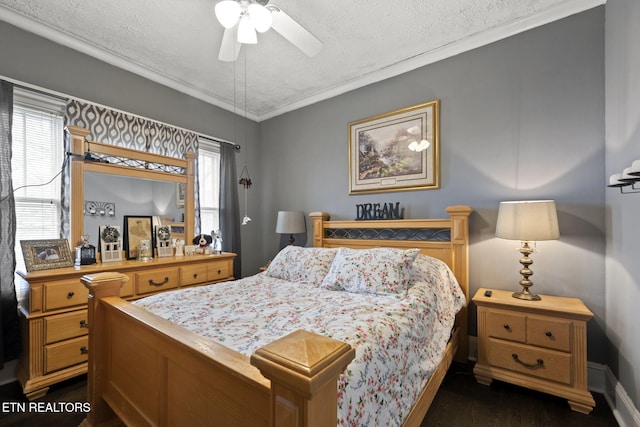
{"x": 627, "y": 178}
{"x": 99, "y": 208}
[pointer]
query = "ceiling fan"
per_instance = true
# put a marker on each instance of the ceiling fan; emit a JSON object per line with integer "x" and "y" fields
{"x": 241, "y": 20}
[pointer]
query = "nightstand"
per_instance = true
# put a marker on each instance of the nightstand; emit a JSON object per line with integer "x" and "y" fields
{"x": 541, "y": 345}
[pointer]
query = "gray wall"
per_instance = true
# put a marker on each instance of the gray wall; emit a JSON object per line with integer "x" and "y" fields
{"x": 623, "y": 233}
{"x": 520, "y": 119}
{"x": 37, "y": 61}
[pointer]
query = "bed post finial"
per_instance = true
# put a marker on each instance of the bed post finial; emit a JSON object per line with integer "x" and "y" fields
{"x": 303, "y": 368}
{"x": 318, "y": 219}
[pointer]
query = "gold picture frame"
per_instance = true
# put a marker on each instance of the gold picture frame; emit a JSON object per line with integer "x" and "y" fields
{"x": 396, "y": 151}
{"x": 46, "y": 254}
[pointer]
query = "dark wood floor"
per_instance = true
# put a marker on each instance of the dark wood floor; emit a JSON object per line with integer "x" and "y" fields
{"x": 460, "y": 402}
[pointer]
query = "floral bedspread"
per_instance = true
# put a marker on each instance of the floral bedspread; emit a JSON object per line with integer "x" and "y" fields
{"x": 399, "y": 339}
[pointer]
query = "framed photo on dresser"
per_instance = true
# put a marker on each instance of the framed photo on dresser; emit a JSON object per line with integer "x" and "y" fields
{"x": 137, "y": 229}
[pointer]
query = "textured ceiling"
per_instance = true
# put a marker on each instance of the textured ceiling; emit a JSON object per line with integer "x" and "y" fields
{"x": 176, "y": 42}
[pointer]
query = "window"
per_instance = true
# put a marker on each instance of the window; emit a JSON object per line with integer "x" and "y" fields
{"x": 209, "y": 183}
{"x": 36, "y": 163}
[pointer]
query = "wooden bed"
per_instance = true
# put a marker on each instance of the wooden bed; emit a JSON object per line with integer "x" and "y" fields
{"x": 143, "y": 370}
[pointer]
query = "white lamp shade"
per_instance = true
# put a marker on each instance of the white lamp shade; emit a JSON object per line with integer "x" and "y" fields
{"x": 260, "y": 17}
{"x": 246, "y": 31}
{"x": 528, "y": 220}
{"x": 290, "y": 222}
{"x": 228, "y": 13}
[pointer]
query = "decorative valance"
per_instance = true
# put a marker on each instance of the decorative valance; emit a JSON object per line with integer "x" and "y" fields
{"x": 126, "y": 130}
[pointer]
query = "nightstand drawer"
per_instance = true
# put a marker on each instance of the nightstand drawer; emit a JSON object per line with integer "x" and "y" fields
{"x": 507, "y": 325}
{"x": 65, "y": 353}
{"x": 533, "y": 361}
{"x": 65, "y": 326}
{"x": 549, "y": 332}
{"x": 192, "y": 275}
{"x": 64, "y": 293}
{"x": 156, "y": 280}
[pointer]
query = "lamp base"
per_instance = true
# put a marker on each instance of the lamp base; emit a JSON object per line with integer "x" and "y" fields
{"x": 526, "y": 295}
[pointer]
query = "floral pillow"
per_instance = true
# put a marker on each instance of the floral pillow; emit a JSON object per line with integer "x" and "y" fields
{"x": 298, "y": 264}
{"x": 376, "y": 270}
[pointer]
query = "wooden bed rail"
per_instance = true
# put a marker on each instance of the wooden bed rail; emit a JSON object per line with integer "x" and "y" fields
{"x": 145, "y": 371}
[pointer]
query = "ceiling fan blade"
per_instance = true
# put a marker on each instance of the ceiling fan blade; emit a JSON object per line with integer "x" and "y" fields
{"x": 230, "y": 47}
{"x": 294, "y": 32}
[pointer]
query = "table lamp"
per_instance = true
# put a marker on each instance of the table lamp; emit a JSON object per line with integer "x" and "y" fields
{"x": 290, "y": 223}
{"x": 527, "y": 221}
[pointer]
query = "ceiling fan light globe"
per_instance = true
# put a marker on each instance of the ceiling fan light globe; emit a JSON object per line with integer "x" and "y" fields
{"x": 228, "y": 13}
{"x": 260, "y": 17}
{"x": 246, "y": 31}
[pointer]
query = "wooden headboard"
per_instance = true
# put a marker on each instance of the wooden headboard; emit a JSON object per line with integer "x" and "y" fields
{"x": 446, "y": 239}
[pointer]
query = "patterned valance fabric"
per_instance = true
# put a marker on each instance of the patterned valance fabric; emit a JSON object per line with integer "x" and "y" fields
{"x": 125, "y": 130}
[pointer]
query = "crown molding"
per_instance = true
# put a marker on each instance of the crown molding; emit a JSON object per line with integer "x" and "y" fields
{"x": 472, "y": 42}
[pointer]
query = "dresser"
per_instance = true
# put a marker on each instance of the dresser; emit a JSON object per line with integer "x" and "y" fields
{"x": 541, "y": 345}
{"x": 53, "y": 313}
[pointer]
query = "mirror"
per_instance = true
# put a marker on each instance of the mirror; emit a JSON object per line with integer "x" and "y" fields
{"x": 131, "y": 196}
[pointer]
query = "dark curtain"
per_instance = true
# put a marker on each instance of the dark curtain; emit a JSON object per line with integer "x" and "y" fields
{"x": 229, "y": 207}
{"x": 9, "y": 330}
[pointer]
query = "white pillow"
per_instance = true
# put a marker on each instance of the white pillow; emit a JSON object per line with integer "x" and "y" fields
{"x": 376, "y": 270}
{"x": 298, "y": 264}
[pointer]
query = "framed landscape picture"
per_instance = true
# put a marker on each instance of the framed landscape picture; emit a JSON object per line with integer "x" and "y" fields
{"x": 396, "y": 151}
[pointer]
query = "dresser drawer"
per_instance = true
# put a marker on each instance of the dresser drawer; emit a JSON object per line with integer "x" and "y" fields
{"x": 533, "y": 361}
{"x": 66, "y": 353}
{"x": 64, "y": 326}
{"x": 193, "y": 274}
{"x": 218, "y": 271}
{"x": 507, "y": 325}
{"x": 64, "y": 293}
{"x": 549, "y": 332}
{"x": 156, "y": 280}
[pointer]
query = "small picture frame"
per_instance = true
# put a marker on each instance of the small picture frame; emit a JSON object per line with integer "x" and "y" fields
{"x": 163, "y": 241}
{"x": 46, "y": 254}
{"x": 110, "y": 243}
{"x": 136, "y": 228}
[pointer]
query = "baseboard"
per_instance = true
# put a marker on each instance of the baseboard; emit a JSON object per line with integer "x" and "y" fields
{"x": 625, "y": 412}
{"x": 601, "y": 380}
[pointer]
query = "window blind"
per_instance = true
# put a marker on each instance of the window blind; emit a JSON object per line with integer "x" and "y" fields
{"x": 37, "y": 157}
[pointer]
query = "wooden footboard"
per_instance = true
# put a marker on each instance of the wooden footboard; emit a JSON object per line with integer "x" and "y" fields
{"x": 145, "y": 371}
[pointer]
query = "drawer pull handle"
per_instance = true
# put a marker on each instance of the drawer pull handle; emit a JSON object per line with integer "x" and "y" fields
{"x": 84, "y": 324}
{"x": 84, "y": 350}
{"x": 219, "y": 271}
{"x": 195, "y": 275}
{"x": 538, "y": 363}
{"x": 152, "y": 283}
{"x": 549, "y": 334}
{"x": 70, "y": 294}
{"x": 507, "y": 327}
